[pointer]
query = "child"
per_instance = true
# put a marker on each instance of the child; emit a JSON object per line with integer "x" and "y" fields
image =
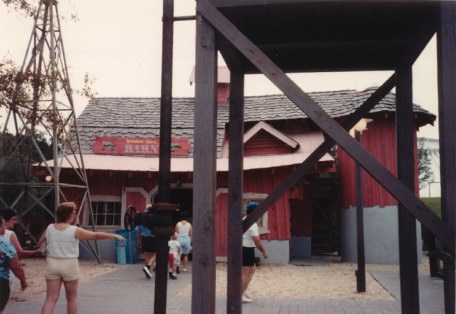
{"x": 173, "y": 256}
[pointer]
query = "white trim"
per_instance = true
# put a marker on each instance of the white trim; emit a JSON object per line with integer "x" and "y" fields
{"x": 271, "y": 130}
{"x": 125, "y": 190}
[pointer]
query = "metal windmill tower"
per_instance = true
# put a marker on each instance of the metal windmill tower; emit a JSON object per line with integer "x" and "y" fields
{"x": 42, "y": 103}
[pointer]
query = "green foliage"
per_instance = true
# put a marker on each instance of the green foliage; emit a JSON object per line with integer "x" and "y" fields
{"x": 18, "y": 167}
{"x": 425, "y": 174}
{"x": 433, "y": 203}
{"x": 23, "y": 6}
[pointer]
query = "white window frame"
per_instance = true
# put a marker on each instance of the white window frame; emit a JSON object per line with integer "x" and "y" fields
{"x": 104, "y": 198}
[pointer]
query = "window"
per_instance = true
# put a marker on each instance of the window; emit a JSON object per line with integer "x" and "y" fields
{"x": 107, "y": 213}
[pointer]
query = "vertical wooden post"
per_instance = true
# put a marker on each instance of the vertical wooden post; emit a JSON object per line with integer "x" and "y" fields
{"x": 361, "y": 260}
{"x": 405, "y": 128}
{"x": 235, "y": 191}
{"x": 166, "y": 103}
{"x": 446, "y": 47}
{"x": 204, "y": 168}
{"x": 164, "y": 175}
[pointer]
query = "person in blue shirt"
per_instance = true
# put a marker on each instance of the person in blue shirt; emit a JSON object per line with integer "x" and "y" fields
{"x": 8, "y": 260}
{"x": 148, "y": 246}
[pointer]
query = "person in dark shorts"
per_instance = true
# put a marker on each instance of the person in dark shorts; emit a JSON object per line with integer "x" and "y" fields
{"x": 8, "y": 260}
{"x": 148, "y": 247}
{"x": 250, "y": 240}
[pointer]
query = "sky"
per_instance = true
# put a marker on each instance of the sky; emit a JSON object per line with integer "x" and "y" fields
{"x": 119, "y": 45}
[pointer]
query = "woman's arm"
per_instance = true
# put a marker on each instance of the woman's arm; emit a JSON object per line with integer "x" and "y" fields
{"x": 190, "y": 232}
{"x": 16, "y": 267}
{"x": 17, "y": 245}
{"x": 259, "y": 246}
{"x": 42, "y": 237}
{"x": 83, "y": 234}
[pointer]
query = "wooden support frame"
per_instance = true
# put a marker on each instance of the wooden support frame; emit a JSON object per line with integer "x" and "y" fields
{"x": 235, "y": 190}
{"x": 405, "y": 128}
{"x": 395, "y": 187}
{"x": 446, "y": 51}
{"x": 204, "y": 179}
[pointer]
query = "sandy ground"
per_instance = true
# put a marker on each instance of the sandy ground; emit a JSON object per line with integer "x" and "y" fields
{"x": 335, "y": 280}
{"x": 34, "y": 272}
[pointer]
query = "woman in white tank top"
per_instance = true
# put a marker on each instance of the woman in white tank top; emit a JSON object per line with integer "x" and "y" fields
{"x": 184, "y": 231}
{"x": 62, "y": 266}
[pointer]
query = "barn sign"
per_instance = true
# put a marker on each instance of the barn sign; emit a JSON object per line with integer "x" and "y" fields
{"x": 138, "y": 146}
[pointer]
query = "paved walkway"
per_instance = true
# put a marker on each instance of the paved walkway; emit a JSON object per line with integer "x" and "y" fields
{"x": 127, "y": 291}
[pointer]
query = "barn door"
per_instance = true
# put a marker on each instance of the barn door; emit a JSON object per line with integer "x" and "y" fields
{"x": 325, "y": 217}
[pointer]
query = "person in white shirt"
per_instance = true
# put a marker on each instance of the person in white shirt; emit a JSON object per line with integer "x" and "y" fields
{"x": 250, "y": 240}
{"x": 174, "y": 255}
{"x": 62, "y": 264}
{"x": 184, "y": 231}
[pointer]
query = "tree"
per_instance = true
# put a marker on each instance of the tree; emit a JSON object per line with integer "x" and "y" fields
{"x": 24, "y": 6}
{"x": 425, "y": 174}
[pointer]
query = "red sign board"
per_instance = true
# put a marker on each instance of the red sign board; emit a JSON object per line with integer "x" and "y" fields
{"x": 138, "y": 146}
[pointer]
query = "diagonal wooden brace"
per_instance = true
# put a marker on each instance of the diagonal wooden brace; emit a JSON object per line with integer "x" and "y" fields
{"x": 395, "y": 187}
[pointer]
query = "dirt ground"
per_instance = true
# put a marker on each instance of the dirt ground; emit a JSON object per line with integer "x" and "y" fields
{"x": 335, "y": 280}
{"x": 34, "y": 272}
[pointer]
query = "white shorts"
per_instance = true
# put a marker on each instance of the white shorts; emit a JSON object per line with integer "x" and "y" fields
{"x": 66, "y": 269}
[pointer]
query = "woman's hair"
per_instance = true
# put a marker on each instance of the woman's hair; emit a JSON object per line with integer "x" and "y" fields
{"x": 2, "y": 220}
{"x": 184, "y": 216}
{"x": 8, "y": 213}
{"x": 64, "y": 211}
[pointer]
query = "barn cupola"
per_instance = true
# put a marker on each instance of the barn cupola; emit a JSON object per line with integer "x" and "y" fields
{"x": 223, "y": 84}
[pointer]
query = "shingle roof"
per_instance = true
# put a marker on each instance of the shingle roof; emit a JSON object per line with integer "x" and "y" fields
{"x": 140, "y": 117}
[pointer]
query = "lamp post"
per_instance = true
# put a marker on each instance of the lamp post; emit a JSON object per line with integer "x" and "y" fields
{"x": 361, "y": 259}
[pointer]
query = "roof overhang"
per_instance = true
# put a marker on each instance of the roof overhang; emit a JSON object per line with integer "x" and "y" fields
{"x": 307, "y": 144}
{"x": 328, "y": 35}
{"x": 151, "y": 164}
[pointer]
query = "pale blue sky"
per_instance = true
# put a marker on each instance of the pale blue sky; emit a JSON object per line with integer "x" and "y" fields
{"x": 119, "y": 44}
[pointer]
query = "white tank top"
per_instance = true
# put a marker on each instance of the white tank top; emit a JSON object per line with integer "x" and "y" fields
{"x": 8, "y": 234}
{"x": 183, "y": 229}
{"x": 62, "y": 243}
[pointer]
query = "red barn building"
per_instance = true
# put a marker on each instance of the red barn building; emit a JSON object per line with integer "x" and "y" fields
{"x": 120, "y": 142}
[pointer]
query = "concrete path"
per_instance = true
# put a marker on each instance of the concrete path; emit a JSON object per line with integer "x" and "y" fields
{"x": 127, "y": 291}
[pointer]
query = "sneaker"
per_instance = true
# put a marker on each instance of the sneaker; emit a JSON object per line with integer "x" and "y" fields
{"x": 184, "y": 270}
{"x": 177, "y": 269}
{"x": 245, "y": 299}
{"x": 247, "y": 294}
{"x": 172, "y": 276}
{"x": 147, "y": 272}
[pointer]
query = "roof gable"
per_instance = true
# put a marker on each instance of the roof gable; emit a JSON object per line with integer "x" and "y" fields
{"x": 264, "y": 139}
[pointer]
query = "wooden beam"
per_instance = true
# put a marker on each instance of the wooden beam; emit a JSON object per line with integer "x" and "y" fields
{"x": 231, "y": 55}
{"x": 405, "y": 129}
{"x": 313, "y": 158}
{"x": 327, "y": 124}
{"x": 446, "y": 52}
{"x": 204, "y": 179}
{"x": 240, "y": 3}
{"x": 235, "y": 191}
